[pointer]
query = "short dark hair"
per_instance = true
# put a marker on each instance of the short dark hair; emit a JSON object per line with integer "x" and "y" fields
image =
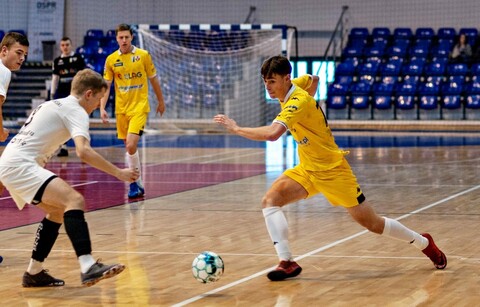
{"x": 123, "y": 27}
{"x": 88, "y": 79}
{"x": 65, "y": 38}
{"x": 14, "y": 37}
{"x": 276, "y": 65}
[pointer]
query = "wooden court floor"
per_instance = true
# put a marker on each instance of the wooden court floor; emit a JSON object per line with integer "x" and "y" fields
{"x": 433, "y": 189}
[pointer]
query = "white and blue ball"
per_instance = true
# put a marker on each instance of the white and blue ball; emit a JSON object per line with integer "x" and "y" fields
{"x": 207, "y": 267}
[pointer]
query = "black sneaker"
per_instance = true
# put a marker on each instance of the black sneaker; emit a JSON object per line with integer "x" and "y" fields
{"x": 42, "y": 279}
{"x": 99, "y": 271}
{"x": 63, "y": 152}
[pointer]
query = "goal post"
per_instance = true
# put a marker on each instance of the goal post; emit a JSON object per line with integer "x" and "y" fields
{"x": 205, "y": 69}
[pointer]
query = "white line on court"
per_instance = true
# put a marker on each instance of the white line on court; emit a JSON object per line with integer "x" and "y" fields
{"x": 323, "y": 248}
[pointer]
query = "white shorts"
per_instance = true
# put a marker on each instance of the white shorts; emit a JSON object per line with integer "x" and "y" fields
{"x": 23, "y": 182}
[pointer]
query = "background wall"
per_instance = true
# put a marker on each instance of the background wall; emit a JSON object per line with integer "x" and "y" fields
{"x": 314, "y": 19}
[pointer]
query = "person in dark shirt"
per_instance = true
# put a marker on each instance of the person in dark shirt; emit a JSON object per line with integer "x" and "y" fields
{"x": 65, "y": 67}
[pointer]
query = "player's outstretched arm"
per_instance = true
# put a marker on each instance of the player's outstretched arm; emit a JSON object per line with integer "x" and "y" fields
{"x": 264, "y": 133}
{"x": 86, "y": 153}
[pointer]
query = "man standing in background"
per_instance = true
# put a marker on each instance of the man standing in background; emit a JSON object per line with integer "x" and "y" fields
{"x": 65, "y": 67}
{"x": 129, "y": 68}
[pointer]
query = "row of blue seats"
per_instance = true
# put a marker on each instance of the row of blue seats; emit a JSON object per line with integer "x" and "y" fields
{"x": 361, "y": 35}
{"x": 404, "y": 106}
{"x": 424, "y": 43}
{"x": 400, "y": 66}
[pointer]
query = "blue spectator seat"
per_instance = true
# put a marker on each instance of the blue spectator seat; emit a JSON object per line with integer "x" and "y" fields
{"x": 337, "y": 98}
{"x": 457, "y": 69}
{"x": 347, "y": 67}
{"x": 448, "y": 34}
{"x": 472, "y": 97}
{"x": 94, "y": 33}
{"x": 399, "y": 49}
{"x": 414, "y": 67}
{"x": 424, "y": 34}
{"x": 376, "y": 50}
{"x": 353, "y": 51}
{"x": 86, "y": 51}
{"x": 2, "y": 34}
{"x": 405, "y": 99}
{"x": 110, "y": 33}
{"x": 402, "y": 33}
{"x": 392, "y": 67}
{"x": 428, "y": 98}
{"x": 472, "y": 106}
{"x": 381, "y": 32}
{"x": 358, "y": 37}
{"x": 436, "y": 68}
{"x": 475, "y": 69}
{"x": 369, "y": 67}
{"x": 382, "y": 100}
{"x": 451, "y": 98}
{"x": 360, "y": 107}
{"x": 442, "y": 49}
{"x": 420, "y": 49}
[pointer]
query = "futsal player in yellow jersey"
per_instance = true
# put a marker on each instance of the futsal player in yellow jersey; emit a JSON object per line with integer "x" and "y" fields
{"x": 129, "y": 68}
{"x": 322, "y": 168}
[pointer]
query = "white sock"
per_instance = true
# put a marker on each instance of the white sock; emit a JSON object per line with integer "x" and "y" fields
{"x": 395, "y": 229}
{"x": 277, "y": 227}
{"x": 133, "y": 162}
{"x": 34, "y": 267}
{"x": 86, "y": 261}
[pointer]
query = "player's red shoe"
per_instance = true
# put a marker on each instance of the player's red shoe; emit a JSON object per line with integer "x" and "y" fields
{"x": 285, "y": 269}
{"x": 434, "y": 253}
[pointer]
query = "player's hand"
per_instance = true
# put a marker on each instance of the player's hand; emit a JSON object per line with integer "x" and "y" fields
{"x": 4, "y": 135}
{"x": 161, "y": 107}
{"x": 104, "y": 116}
{"x": 128, "y": 174}
{"x": 225, "y": 121}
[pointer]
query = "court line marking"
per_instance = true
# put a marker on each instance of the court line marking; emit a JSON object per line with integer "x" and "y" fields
{"x": 323, "y": 248}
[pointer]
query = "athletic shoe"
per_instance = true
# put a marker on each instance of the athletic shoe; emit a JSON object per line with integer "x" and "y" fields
{"x": 42, "y": 279}
{"x": 285, "y": 269}
{"x": 434, "y": 253}
{"x": 135, "y": 190}
{"x": 99, "y": 271}
{"x": 62, "y": 153}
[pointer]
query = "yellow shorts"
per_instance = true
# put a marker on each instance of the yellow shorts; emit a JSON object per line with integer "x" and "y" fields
{"x": 134, "y": 124}
{"x": 339, "y": 185}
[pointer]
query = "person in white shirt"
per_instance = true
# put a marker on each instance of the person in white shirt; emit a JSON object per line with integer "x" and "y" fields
{"x": 23, "y": 174}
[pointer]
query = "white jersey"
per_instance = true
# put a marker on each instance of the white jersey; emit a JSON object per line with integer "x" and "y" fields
{"x": 5, "y": 77}
{"x": 48, "y": 127}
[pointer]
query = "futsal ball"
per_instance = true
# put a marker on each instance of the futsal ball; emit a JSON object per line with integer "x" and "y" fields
{"x": 207, "y": 267}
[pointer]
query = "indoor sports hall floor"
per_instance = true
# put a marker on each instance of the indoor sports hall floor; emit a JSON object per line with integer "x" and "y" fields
{"x": 204, "y": 192}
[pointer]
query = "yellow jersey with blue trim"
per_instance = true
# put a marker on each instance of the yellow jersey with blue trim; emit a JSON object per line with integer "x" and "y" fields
{"x": 130, "y": 73}
{"x": 304, "y": 118}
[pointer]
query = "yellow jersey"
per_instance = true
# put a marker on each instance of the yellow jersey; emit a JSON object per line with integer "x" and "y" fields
{"x": 130, "y": 73}
{"x": 305, "y": 120}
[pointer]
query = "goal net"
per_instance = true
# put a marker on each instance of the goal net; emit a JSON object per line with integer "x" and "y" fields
{"x": 210, "y": 69}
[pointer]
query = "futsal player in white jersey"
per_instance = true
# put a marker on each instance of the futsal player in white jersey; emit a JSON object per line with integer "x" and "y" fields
{"x": 23, "y": 174}
{"x": 13, "y": 51}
